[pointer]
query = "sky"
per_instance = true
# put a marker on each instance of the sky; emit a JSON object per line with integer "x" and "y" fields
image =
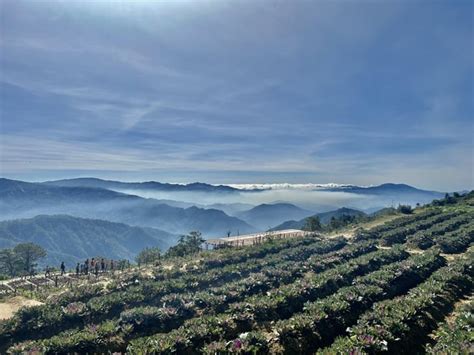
{"x": 261, "y": 91}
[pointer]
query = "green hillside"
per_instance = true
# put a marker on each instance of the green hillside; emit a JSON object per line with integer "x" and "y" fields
{"x": 384, "y": 290}
{"x": 73, "y": 239}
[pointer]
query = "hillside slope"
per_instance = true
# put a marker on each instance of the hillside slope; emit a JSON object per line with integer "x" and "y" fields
{"x": 74, "y": 239}
{"x": 324, "y": 217}
{"x": 397, "y": 281}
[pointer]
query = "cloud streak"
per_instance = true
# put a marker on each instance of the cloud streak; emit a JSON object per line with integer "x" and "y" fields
{"x": 238, "y": 92}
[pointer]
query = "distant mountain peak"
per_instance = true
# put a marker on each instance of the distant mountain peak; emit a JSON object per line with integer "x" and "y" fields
{"x": 146, "y": 185}
{"x": 265, "y": 215}
{"x": 386, "y": 188}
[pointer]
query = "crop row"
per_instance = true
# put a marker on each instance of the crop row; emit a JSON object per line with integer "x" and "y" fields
{"x": 399, "y": 235}
{"x": 207, "y": 262}
{"x": 404, "y": 221}
{"x": 215, "y": 299}
{"x": 284, "y": 301}
{"x": 46, "y": 320}
{"x": 224, "y": 257}
{"x": 321, "y": 321}
{"x": 426, "y": 238}
{"x": 397, "y": 225}
{"x": 456, "y": 242}
{"x": 177, "y": 308}
{"x": 451, "y": 242}
{"x": 455, "y": 337}
{"x": 400, "y": 325}
{"x": 276, "y": 304}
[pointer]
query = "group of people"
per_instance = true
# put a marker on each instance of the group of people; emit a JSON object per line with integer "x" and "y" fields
{"x": 94, "y": 266}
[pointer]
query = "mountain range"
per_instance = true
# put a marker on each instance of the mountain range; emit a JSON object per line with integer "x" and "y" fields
{"x": 388, "y": 189}
{"x": 77, "y": 218}
{"x": 25, "y": 200}
{"x": 147, "y": 185}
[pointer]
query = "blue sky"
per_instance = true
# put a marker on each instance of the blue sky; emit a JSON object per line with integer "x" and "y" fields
{"x": 239, "y": 91}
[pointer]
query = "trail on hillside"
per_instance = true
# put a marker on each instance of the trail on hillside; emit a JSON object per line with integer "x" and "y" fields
{"x": 13, "y": 304}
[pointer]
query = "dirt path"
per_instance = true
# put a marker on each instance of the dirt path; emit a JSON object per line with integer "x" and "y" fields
{"x": 452, "y": 316}
{"x": 349, "y": 233}
{"x": 13, "y": 304}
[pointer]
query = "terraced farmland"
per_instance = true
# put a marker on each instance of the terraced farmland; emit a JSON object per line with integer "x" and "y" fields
{"x": 400, "y": 287}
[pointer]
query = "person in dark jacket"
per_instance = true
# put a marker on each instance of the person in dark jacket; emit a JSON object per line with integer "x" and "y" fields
{"x": 63, "y": 268}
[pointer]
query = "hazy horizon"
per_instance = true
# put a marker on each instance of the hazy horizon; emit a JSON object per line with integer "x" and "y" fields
{"x": 250, "y": 184}
{"x": 310, "y": 197}
{"x": 278, "y": 185}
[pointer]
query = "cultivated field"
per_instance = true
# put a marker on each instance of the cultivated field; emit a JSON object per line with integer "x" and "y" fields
{"x": 404, "y": 286}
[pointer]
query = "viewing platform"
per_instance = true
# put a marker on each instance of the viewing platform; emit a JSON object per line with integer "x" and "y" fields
{"x": 256, "y": 238}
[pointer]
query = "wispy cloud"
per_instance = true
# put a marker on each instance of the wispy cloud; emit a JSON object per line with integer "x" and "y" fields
{"x": 239, "y": 92}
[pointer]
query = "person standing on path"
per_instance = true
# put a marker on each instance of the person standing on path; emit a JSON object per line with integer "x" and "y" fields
{"x": 78, "y": 268}
{"x": 63, "y": 268}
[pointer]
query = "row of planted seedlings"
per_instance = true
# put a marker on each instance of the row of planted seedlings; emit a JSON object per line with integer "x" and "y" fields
{"x": 400, "y": 235}
{"x": 323, "y": 320}
{"x": 207, "y": 261}
{"x": 47, "y": 320}
{"x": 403, "y": 221}
{"x": 456, "y": 335}
{"x": 402, "y": 325}
{"x": 449, "y": 240}
{"x": 425, "y": 239}
{"x": 219, "y": 258}
{"x": 454, "y": 243}
{"x": 277, "y": 303}
{"x": 397, "y": 225}
{"x": 228, "y": 256}
{"x": 53, "y": 314}
{"x": 176, "y": 308}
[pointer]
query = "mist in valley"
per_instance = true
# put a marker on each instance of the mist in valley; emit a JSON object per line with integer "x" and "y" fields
{"x": 313, "y": 200}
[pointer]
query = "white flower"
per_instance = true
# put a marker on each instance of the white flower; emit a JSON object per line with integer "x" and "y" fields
{"x": 243, "y": 336}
